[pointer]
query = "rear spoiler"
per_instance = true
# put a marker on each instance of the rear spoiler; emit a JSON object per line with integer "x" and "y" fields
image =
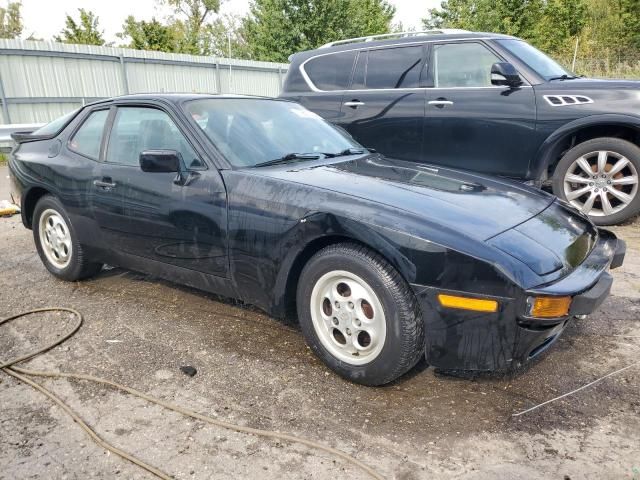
{"x": 24, "y": 137}
{"x": 22, "y": 130}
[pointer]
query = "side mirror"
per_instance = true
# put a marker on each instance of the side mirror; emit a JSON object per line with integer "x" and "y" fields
{"x": 161, "y": 161}
{"x": 503, "y": 73}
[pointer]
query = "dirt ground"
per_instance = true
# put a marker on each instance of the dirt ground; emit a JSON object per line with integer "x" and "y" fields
{"x": 257, "y": 371}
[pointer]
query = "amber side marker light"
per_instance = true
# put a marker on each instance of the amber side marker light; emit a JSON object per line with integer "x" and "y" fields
{"x": 466, "y": 303}
{"x": 549, "y": 307}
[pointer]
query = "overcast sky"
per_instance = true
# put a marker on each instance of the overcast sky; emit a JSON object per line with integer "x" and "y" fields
{"x": 45, "y": 18}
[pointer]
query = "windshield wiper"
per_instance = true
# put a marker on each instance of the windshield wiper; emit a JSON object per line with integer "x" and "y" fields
{"x": 288, "y": 158}
{"x": 345, "y": 152}
{"x": 564, "y": 77}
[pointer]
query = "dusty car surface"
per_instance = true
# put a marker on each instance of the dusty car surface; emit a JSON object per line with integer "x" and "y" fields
{"x": 382, "y": 260}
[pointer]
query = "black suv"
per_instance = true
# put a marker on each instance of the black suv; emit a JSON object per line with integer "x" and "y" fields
{"x": 485, "y": 102}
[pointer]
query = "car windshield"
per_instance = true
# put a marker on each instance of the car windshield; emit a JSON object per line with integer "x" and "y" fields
{"x": 538, "y": 61}
{"x": 249, "y": 131}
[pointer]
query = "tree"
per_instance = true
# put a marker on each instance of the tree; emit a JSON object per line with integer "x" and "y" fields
{"x": 10, "y": 20}
{"x": 151, "y": 35}
{"x": 86, "y": 31}
{"x": 274, "y": 29}
{"x": 561, "y": 22}
{"x": 548, "y": 24}
{"x": 189, "y": 24}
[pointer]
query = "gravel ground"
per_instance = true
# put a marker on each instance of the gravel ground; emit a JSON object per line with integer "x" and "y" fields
{"x": 254, "y": 370}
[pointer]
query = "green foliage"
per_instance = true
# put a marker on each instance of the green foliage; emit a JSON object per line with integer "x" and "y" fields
{"x": 274, "y": 29}
{"x": 85, "y": 31}
{"x": 548, "y": 24}
{"x": 192, "y": 33}
{"x": 607, "y": 31}
{"x": 151, "y": 35}
{"x": 10, "y": 20}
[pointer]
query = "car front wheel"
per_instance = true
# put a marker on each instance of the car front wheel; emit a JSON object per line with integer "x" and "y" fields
{"x": 57, "y": 243}
{"x": 600, "y": 178}
{"x": 359, "y": 315}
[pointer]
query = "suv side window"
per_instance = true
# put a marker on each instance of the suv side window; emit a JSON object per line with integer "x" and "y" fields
{"x": 136, "y": 129}
{"x": 331, "y": 72}
{"x": 394, "y": 67}
{"x": 88, "y": 138}
{"x": 462, "y": 65}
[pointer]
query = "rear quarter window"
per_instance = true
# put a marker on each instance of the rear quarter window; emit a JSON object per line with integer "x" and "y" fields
{"x": 331, "y": 72}
{"x": 88, "y": 138}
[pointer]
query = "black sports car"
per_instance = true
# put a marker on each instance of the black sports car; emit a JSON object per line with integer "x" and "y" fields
{"x": 261, "y": 200}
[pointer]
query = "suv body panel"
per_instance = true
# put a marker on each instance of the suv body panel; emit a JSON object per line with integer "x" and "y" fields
{"x": 514, "y": 132}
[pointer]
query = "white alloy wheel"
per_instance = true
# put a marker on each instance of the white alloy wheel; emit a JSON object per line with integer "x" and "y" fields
{"x": 55, "y": 238}
{"x": 348, "y": 317}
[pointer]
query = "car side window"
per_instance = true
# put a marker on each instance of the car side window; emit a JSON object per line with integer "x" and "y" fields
{"x": 136, "y": 129}
{"x": 462, "y": 65}
{"x": 331, "y": 72}
{"x": 88, "y": 137}
{"x": 394, "y": 67}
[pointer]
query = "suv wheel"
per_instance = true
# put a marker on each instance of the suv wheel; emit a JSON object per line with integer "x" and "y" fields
{"x": 359, "y": 315}
{"x": 57, "y": 243}
{"x": 600, "y": 178}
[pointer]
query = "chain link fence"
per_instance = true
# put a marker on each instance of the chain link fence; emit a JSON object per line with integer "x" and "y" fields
{"x": 605, "y": 66}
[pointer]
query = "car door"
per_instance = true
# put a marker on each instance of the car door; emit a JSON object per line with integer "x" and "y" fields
{"x": 469, "y": 122}
{"x": 159, "y": 216}
{"x": 328, "y": 77}
{"x": 384, "y": 108}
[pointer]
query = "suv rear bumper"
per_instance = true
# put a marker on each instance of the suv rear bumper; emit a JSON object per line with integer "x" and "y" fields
{"x": 467, "y": 340}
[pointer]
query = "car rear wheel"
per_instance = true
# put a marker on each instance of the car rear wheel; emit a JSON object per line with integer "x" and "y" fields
{"x": 57, "y": 243}
{"x": 358, "y": 315}
{"x": 600, "y": 178}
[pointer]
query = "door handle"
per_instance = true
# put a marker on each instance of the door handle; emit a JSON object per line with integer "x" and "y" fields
{"x": 104, "y": 183}
{"x": 354, "y": 104}
{"x": 440, "y": 103}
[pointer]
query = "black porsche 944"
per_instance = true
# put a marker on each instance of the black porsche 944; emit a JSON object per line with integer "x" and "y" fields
{"x": 381, "y": 260}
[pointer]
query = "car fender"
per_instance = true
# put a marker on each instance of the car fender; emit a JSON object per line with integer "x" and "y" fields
{"x": 318, "y": 229}
{"x": 548, "y": 150}
{"x": 408, "y": 254}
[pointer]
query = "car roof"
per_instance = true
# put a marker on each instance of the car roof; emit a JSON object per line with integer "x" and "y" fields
{"x": 413, "y": 38}
{"x": 176, "y": 97}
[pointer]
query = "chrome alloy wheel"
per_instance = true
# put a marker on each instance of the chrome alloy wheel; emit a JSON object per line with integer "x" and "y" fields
{"x": 55, "y": 238}
{"x": 601, "y": 183}
{"x": 348, "y": 317}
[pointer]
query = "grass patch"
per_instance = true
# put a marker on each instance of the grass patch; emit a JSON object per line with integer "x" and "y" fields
{"x": 4, "y": 158}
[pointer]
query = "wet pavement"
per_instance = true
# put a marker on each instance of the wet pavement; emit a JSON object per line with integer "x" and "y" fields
{"x": 257, "y": 371}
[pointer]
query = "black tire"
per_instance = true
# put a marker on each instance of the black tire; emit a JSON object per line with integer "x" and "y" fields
{"x": 79, "y": 266}
{"x": 404, "y": 342}
{"x": 616, "y": 145}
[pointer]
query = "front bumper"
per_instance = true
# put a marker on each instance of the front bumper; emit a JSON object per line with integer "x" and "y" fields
{"x": 467, "y": 340}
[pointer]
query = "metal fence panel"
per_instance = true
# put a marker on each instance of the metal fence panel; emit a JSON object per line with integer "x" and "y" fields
{"x": 40, "y": 81}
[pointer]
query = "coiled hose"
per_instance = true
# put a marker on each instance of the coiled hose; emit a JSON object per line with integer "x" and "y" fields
{"x": 9, "y": 367}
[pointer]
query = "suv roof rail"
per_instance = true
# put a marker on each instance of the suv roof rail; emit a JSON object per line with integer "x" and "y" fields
{"x": 371, "y": 38}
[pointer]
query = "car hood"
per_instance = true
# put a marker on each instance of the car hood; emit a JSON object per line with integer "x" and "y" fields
{"x": 590, "y": 84}
{"x": 473, "y": 205}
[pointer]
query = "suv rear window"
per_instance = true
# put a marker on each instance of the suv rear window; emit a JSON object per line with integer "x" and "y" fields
{"x": 331, "y": 72}
{"x": 394, "y": 68}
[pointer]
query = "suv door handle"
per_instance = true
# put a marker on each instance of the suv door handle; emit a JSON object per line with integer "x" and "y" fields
{"x": 105, "y": 183}
{"x": 354, "y": 104}
{"x": 440, "y": 103}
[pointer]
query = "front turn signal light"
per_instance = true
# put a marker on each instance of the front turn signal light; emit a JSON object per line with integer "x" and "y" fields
{"x": 467, "y": 303}
{"x": 549, "y": 307}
